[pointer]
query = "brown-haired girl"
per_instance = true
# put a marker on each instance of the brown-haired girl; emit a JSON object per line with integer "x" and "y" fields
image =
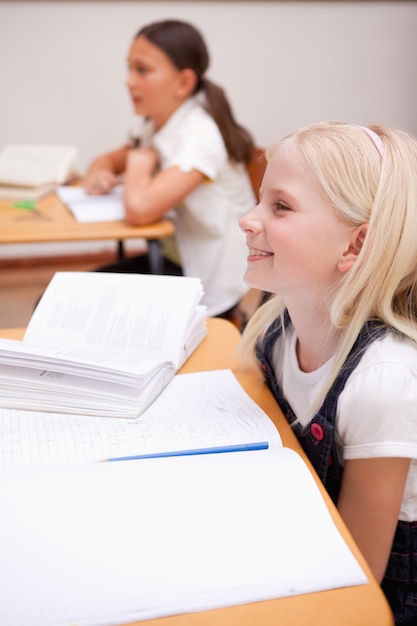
{"x": 190, "y": 158}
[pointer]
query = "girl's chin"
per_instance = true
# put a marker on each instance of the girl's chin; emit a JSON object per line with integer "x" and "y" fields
{"x": 264, "y": 289}
{"x": 138, "y": 109}
{"x": 251, "y": 281}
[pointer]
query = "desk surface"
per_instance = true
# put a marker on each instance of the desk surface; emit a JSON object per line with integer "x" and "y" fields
{"x": 52, "y": 222}
{"x": 363, "y": 605}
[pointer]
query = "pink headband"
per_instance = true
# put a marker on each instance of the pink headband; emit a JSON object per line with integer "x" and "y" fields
{"x": 375, "y": 138}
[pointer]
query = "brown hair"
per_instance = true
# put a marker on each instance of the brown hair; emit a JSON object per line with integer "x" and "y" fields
{"x": 186, "y": 48}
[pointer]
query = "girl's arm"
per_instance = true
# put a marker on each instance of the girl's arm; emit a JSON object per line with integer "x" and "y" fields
{"x": 102, "y": 174}
{"x": 369, "y": 503}
{"x": 149, "y": 195}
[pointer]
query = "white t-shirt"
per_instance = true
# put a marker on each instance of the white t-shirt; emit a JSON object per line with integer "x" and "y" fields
{"x": 377, "y": 410}
{"x": 209, "y": 240}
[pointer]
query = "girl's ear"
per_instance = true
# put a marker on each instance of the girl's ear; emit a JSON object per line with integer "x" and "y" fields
{"x": 187, "y": 83}
{"x": 350, "y": 255}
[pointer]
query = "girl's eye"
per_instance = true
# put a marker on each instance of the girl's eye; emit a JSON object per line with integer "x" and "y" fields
{"x": 280, "y": 206}
{"x": 138, "y": 69}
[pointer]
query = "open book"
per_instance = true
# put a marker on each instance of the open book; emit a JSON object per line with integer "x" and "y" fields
{"x": 113, "y": 543}
{"x": 102, "y": 344}
{"x": 30, "y": 171}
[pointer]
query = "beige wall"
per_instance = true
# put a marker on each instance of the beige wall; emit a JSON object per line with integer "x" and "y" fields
{"x": 283, "y": 64}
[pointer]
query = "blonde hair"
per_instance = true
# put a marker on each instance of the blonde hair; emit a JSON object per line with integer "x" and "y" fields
{"x": 364, "y": 187}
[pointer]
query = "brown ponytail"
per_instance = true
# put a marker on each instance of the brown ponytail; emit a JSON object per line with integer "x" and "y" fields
{"x": 239, "y": 143}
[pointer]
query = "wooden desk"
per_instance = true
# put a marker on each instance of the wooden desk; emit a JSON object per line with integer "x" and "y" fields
{"x": 364, "y": 605}
{"x": 53, "y": 222}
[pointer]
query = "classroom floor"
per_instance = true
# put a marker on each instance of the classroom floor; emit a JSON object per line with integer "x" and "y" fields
{"x": 22, "y": 285}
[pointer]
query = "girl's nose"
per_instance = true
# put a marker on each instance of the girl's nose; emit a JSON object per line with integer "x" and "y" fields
{"x": 130, "y": 78}
{"x": 250, "y": 222}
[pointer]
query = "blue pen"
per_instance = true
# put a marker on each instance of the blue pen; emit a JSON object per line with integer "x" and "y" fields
{"x": 260, "y": 445}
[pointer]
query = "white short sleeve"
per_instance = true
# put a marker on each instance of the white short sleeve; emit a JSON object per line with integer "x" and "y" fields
{"x": 192, "y": 143}
{"x": 377, "y": 410}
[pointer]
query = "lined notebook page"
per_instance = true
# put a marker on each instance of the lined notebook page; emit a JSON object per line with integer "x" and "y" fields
{"x": 203, "y": 409}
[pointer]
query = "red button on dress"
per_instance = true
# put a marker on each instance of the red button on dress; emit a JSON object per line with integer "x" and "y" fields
{"x": 317, "y": 431}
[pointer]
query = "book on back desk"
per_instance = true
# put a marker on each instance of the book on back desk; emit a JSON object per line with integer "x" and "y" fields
{"x": 31, "y": 171}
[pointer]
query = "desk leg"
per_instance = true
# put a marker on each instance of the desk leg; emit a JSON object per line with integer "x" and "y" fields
{"x": 156, "y": 260}
{"x": 120, "y": 250}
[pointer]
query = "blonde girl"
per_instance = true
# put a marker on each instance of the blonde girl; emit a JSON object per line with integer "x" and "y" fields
{"x": 334, "y": 236}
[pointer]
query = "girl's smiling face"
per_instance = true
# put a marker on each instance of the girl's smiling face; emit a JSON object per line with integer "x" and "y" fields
{"x": 294, "y": 235}
{"x": 155, "y": 84}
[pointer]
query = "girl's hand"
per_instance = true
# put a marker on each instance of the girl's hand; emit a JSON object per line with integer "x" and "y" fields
{"x": 100, "y": 181}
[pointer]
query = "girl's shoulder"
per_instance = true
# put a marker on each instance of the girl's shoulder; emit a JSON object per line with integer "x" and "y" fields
{"x": 385, "y": 371}
{"x": 193, "y": 116}
{"x": 383, "y": 384}
{"x": 393, "y": 349}
{"x": 376, "y": 409}
{"x": 190, "y": 126}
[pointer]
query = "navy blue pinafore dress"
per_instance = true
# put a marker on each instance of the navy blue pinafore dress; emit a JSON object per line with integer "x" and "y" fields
{"x": 319, "y": 443}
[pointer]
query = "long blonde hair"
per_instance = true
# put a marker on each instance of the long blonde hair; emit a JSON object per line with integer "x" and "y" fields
{"x": 364, "y": 187}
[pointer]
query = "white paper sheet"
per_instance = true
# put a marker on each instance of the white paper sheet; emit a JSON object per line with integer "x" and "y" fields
{"x": 120, "y": 542}
{"x": 88, "y": 208}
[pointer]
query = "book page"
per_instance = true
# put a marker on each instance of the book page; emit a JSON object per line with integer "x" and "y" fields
{"x": 195, "y": 411}
{"x": 146, "y": 316}
{"x": 55, "y": 387}
{"x": 115, "y": 543}
{"x": 88, "y": 208}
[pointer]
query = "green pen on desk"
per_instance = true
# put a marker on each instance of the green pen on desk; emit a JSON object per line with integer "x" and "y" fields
{"x": 29, "y": 205}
